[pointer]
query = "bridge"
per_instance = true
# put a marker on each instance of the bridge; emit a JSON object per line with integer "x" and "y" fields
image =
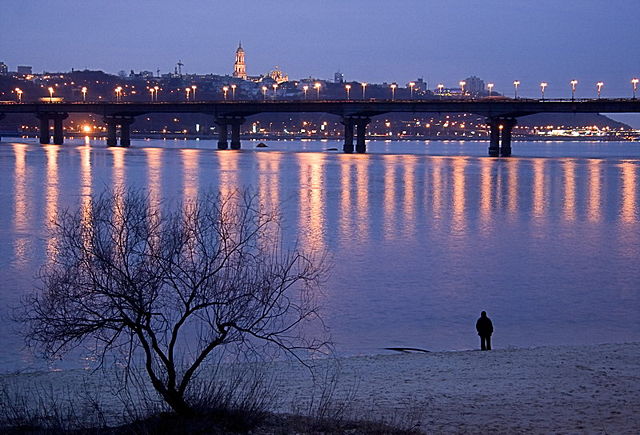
{"x": 501, "y": 114}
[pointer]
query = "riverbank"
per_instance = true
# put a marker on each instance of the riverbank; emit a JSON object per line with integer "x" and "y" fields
{"x": 561, "y": 389}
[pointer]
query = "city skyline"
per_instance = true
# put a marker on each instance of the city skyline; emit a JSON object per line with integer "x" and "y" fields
{"x": 442, "y": 43}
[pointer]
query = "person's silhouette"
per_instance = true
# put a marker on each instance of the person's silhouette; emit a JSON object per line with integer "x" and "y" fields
{"x": 485, "y": 329}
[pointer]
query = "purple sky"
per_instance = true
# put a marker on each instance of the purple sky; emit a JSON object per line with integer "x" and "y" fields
{"x": 373, "y": 41}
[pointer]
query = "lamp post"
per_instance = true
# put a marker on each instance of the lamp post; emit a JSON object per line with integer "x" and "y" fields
{"x": 275, "y": 90}
{"x": 364, "y": 89}
{"x": 462, "y": 85}
{"x": 490, "y": 86}
{"x": 187, "y": 90}
{"x": 573, "y": 83}
{"x": 19, "y": 94}
{"x": 84, "y": 93}
{"x": 347, "y": 88}
{"x": 634, "y": 84}
{"x": 440, "y": 88}
{"x": 516, "y": 83}
{"x": 233, "y": 92}
{"x": 411, "y": 85}
{"x": 50, "y": 89}
{"x": 225, "y": 89}
{"x": 393, "y": 91}
{"x": 157, "y": 88}
{"x": 543, "y": 86}
{"x": 599, "y": 86}
{"x": 118, "y": 93}
{"x": 305, "y": 88}
{"x": 193, "y": 90}
{"x": 317, "y": 86}
{"x": 264, "y": 93}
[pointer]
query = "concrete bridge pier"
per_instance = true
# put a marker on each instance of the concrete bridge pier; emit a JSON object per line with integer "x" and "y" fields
{"x": 1, "y": 118}
{"x": 43, "y": 133}
{"x": 494, "y": 137}
{"x": 235, "y": 133}
{"x": 125, "y": 131}
{"x": 222, "y": 135}
{"x": 348, "y": 135}
{"x": 112, "y": 131}
{"x": 361, "y": 146}
{"x": 507, "y": 128}
{"x": 58, "y": 132}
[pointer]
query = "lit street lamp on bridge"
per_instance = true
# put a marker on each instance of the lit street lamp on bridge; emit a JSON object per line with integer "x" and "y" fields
{"x": 187, "y": 90}
{"x": 275, "y": 90}
{"x": 317, "y": 86}
{"x": 50, "y": 89}
{"x": 462, "y": 85}
{"x": 225, "y": 89}
{"x": 347, "y": 88}
{"x": 490, "y": 86}
{"x": 84, "y": 94}
{"x": 634, "y": 84}
{"x": 411, "y": 85}
{"x": 19, "y": 94}
{"x": 118, "y": 93}
{"x": 305, "y": 88}
{"x": 233, "y": 91}
{"x": 599, "y": 85}
{"x": 516, "y": 83}
{"x": 193, "y": 91}
{"x": 264, "y": 93}
{"x": 364, "y": 89}
{"x": 440, "y": 88}
{"x": 574, "y": 83}
{"x": 543, "y": 86}
{"x": 393, "y": 91}
{"x": 156, "y": 89}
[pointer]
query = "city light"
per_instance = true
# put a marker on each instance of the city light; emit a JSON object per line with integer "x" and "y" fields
{"x": 84, "y": 93}
{"x": 543, "y": 86}
{"x": 225, "y": 89}
{"x": 151, "y": 90}
{"x": 264, "y": 93}
{"x": 490, "y": 86}
{"x": 462, "y": 85}
{"x": 634, "y": 84}
{"x": 86, "y": 128}
{"x": 193, "y": 89}
{"x": 516, "y": 83}
{"x": 233, "y": 92}
{"x": 305, "y": 88}
{"x": 574, "y": 83}
{"x": 364, "y": 89}
{"x": 393, "y": 91}
{"x": 275, "y": 90}
{"x": 599, "y": 86}
{"x": 411, "y": 85}
{"x": 317, "y": 86}
{"x": 118, "y": 91}
{"x": 187, "y": 90}
{"x": 19, "y": 94}
{"x": 348, "y": 89}
{"x": 50, "y": 89}
{"x": 156, "y": 88}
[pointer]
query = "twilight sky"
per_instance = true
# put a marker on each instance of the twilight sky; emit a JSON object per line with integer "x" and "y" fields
{"x": 368, "y": 40}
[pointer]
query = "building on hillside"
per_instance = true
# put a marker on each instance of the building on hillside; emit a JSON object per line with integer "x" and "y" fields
{"x": 4, "y": 69}
{"x": 338, "y": 77}
{"x": 25, "y": 70}
{"x": 278, "y": 76}
{"x": 239, "y": 67}
{"x": 474, "y": 85}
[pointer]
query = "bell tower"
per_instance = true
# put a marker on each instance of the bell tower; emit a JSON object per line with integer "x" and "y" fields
{"x": 239, "y": 69}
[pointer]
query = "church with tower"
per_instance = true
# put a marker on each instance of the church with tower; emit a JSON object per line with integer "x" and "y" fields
{"x": 239, "y": 67}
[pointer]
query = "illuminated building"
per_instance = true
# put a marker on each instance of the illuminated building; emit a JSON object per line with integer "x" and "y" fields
{"x": 3, "y": 69}
{"x": 239, "y": 68}
{"x": 278, "y": 76}
{"x": 474, "y": 85}
{"x": 338, "y": 77}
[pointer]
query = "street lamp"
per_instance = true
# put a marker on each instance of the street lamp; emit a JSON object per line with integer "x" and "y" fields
{"x": 490, "y": 86}
{"x": 264, "y": 93}
{"x": 317, "y": 86}
{"x": 50, "y": 89}
{"x": 19, "y": 94}
{"x": 118, "y": 93}
{"x": 193, "y": 88}
{"x": 411, "y": 85}
{"x": 462, "y": 85}
{"x": 634, "y": 83}
{"x": 516, "y": 83}
{"x": 573, "y": 82}
{"x": 233, "y": 92}
{"x": 393, "y": 91}
{"x": 225, "y": 89}
{"x": 348, "y": 89}
{"x": 84, "y": 93}
{"x": 599, "y": 85}
{"x": 187, "y": 90}
{"x": 156, "y": 88}
{"x": 305, "y": 88}
{"x": 543, "y": 85}
{"x": 440, "y": 88}
{"x": 275, "y": 90}
{"x": 364, "y": 89}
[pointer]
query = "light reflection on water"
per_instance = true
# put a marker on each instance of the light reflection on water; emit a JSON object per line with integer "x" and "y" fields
{"x": 419, "y": 244}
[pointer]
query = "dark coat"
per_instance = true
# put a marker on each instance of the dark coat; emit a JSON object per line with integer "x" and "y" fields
{"x": 484, "y": 326}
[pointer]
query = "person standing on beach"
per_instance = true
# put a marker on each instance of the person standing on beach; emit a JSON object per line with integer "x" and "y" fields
{"x": 485, "y": 329}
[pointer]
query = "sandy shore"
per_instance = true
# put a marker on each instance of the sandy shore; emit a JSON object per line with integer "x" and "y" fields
{"x": 583, "y": 389}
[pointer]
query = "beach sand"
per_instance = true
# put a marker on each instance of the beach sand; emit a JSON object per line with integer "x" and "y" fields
{"x": 560, "y": 389}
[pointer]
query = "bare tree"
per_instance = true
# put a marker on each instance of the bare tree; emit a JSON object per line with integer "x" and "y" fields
{"x": 172, "y": 285}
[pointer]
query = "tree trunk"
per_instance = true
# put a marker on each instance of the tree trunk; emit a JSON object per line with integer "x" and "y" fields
{"x": 176, "y": 401}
